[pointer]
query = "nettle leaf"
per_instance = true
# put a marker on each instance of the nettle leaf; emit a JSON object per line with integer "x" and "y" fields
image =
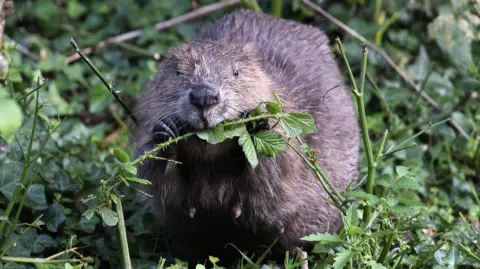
{"x": 401, "y": 170}
{"x": 371, "y": 198}
{"x": 109, "y": 217}
{"x": 273, "y": 107}
{"x": 11, "y": 115}
{"x": 245, "y": 141}
{"x": 269, "y": 143}
{"x": 384, "y": 180}
{"x": 341, "y": 259}
{"x": 406, "y": 182}
{"x": 297, "y": 123}
{"x": 55, "y": 217}
{"x": 121, "y": 155}
{"x": 139, "y": 180}
{"x": 323, "y": 238}
{"x": 213, "y": 135}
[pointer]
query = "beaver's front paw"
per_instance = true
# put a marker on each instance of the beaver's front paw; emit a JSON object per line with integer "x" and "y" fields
{"x": 256, "y": 126}
{"x": 163, "y": 130}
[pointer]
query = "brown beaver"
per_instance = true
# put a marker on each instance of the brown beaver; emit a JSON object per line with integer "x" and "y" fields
{"x": 215, "y": 197}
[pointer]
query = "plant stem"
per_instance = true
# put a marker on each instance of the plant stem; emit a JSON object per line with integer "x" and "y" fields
{"x": 387, "y": 246}
{"x": 103, "y": 79}
{"x": 252, "y": 4}
{"x": 277, "y": 8}
{"x": 382, "y": 145}
{"x": 39, "y": 261}
{"x": 17, "y": 216}
{"x": 363, "y": 121}
{"x": 123, "y": 235}
{"x": 23, "y": 177}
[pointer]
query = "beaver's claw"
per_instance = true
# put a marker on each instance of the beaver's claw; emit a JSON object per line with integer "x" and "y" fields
{"x": 163, "y": 130}
{"x": 256, "y": 125}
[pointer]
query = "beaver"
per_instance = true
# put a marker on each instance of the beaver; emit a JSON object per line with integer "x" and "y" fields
{"x": 215, "y": 198}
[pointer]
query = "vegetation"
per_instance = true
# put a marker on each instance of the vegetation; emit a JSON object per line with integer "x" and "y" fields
{"x": 67, "y": 182}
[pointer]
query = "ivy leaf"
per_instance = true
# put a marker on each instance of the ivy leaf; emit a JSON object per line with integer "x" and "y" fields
{"x": 406, "y": 182}
{"x": 249, "y": 149}
{"x": 36, "y": 198}
{"x": 109, "y": 217}
{"x": 139, "y": 180}
{"x": 323, "y": 238}
{"x": 213, "y": 135}
{"x": 55, "y": 217}
{"x": 121, "y": 155}
{"x": 269, "y": 143}
{"x": 341, "y": 259}
{"x": 273, "y": 107}
{"x": 11, "y": 116}
{"x": 43, "y": 241}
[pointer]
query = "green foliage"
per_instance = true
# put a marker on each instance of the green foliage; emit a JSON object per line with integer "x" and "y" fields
{"x": 425, "y": 202}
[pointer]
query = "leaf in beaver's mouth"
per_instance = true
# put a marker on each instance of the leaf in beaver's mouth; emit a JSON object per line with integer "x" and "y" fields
{"x": 219, "y": 133}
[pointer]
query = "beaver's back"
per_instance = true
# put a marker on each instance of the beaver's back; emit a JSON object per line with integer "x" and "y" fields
{"x": 298, "y": 59}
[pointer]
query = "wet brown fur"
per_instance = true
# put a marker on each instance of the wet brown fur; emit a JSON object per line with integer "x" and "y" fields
{"x": 197, "y": 201}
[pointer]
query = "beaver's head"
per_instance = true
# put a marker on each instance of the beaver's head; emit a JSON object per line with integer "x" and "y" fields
{"x": 203, "y": 83}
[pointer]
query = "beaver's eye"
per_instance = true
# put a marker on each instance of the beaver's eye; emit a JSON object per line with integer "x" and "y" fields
{"x": 179, "y": 73}
{"x": 235, "y": 72}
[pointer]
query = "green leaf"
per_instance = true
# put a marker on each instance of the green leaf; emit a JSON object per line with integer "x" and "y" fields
{"x": 121, "y": 155}
{"x": 75, "y": 9}
{"x": 273, "y": 107}
{"x": 269, "y": 143}
{"x": 371, "y": 198}
{"x": 9, "y": 175}
{"x": 129, "y": 169}
{"x": 401, "y": 171}
{"x": 375, "y": 265}
{"x": 213, "y": 260}
{"x": 14, "y": 75}
{"x": 235, "y": 130}
{"x": 36, "y": 198}
{"x": 341, "y": 259}
{"x": 213, "y": 135}
{"x": 384, "y": 180}
{"x": 43, "y": 241}
{"x": 109, "y": 217}
{"x": 88, "y": 214}
{"x": 323, "y": 238}
{"x": 406, "y": 182}
{"x": 249, "y": 149}
{"x": 139, "y": 180}
{"x": 297, "y": 123}
{"x": 12, "y": 265}
{"x": 54, "y": 217}
{"x": 11, "y": 118}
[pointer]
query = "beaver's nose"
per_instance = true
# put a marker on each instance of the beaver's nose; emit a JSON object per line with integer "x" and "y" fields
{"x": 203, "y": 96}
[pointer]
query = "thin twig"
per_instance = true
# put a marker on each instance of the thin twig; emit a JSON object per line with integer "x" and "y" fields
{"x": 103, "y": 79}
{"x": 21, "y": 48}
{"x": 123, "y": 235}
{"x": 199, "y": 12}
{"x": 389, "y": 60}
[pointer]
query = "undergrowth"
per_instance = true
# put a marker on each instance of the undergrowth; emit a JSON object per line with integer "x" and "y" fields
{"x": 68, "y": 183}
